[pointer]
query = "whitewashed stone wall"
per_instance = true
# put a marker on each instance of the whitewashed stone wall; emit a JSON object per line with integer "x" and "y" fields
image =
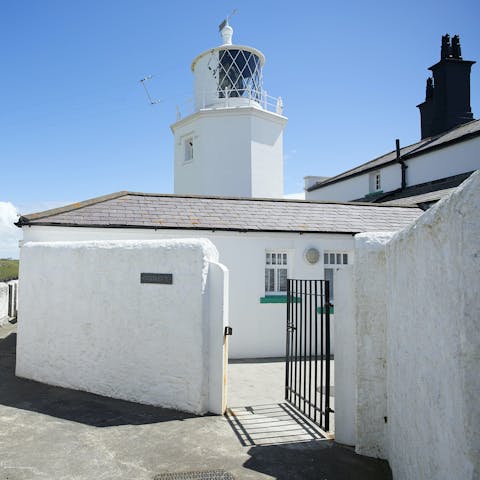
{"x": 258, "y": 328}
{"x": 417, "y": 313}
{"x": 346, "y": 357}
{"x": 3, "y": 303}
{"x": 86, "y": 321}
{"x": 370, "y": 314}
{"x": 433, "y": 274}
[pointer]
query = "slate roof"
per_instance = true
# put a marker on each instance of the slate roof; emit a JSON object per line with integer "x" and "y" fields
{"x": 420, "y": 193}
{"x": 425, "y": 199}
{"x": 163, "y": 211}
{"x": 457, "y": 134}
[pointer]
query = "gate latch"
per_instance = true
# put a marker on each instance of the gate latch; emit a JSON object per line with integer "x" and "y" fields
{"x": 228, "y": 330}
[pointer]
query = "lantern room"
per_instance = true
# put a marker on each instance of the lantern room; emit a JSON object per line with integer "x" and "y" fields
{"x": 228, "y": 75}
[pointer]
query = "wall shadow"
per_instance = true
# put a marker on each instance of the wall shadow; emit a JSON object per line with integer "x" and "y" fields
{"x": 316, "y": 460}
{"x": 73, "y": 405}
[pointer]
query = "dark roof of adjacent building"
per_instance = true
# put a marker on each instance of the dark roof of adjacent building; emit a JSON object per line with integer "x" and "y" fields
{"x": 191, "y": 212}
{"x": 420, "y": 194}
{"x": 458, "y": 134}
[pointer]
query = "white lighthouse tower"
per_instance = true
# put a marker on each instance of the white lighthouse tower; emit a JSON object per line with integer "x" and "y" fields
{"x": 232, "y": 144}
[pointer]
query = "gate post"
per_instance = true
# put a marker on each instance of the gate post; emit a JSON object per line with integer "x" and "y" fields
{"x": 345, "y": 356}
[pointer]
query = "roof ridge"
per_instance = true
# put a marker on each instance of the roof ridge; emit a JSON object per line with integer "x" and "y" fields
{"x": 253, "y": 199}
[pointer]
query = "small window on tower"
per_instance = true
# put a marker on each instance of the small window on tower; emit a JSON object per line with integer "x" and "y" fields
{"x": 188, "y": 146}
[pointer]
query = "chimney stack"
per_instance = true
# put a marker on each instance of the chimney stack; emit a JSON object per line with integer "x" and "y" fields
{"x": 447, "y": 98}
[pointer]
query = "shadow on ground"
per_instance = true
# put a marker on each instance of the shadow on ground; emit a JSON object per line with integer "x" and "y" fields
{"x": 73, "y": 405}
{"x": 269, "y": 424}
{"x": 316, "y": 460}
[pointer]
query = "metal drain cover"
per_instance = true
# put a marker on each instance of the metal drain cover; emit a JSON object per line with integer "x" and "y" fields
{"x": 205, "y": 475}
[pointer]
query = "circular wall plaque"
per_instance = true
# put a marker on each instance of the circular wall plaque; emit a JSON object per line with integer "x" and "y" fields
{"x": 312, "y": 255}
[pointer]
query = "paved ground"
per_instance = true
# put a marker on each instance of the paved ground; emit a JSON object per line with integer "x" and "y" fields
{"x": 55, "y": 433}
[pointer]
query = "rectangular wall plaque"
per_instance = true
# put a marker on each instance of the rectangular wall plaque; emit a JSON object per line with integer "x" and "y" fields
{"x": 162, "y": 278}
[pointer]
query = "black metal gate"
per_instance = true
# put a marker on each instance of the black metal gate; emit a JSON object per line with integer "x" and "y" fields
{"x": 307, "y": 374}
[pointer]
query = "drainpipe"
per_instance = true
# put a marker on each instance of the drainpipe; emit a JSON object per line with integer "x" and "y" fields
{"x": 402, "y": 164}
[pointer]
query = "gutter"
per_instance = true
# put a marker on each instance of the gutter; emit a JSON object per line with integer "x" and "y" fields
{"x": 212, "y": 229}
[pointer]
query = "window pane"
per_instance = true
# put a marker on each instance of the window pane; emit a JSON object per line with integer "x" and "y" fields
{"x": 332, "y": 259}
{"x": 328, "y": 275}
{"x": 268, "y": 259}
{"x": 325, "y": 258}
{"x": 339, "y": 258}
{"x": 345, "y": 258}
{"x": 274, "y": 258}
{"x": 269, "y": 280}
{"x": 282, "y": 279}
{"x": 284, "y": 258}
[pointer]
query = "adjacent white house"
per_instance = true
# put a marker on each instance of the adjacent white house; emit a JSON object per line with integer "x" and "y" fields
{"x": 421, "y": 173}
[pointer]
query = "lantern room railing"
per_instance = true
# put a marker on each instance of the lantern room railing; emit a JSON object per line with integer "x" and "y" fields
{"x": 231, "y": 98}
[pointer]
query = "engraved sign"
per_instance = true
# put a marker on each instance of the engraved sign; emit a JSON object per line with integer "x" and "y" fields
{"x": 162, "y": 278}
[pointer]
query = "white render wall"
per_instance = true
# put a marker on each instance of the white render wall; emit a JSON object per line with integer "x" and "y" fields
{"x": 458, "y": 158}
{"x": 346, "y": 359}
{"x": 258, "y": 328}
{"x": 87, "y": 323}
{"x": 371, "y": 345}
{"x": 433, "y": 271}
{"x": 417, "y": 312}
{"x": 237, "y": 152}
{"x": 453, "y": 160}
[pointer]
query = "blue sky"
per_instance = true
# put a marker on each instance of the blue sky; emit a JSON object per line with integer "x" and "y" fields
{"x": 75, "y": 122}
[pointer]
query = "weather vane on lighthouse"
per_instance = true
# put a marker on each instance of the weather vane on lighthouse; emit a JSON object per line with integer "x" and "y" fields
{"x": 225, "y": 22}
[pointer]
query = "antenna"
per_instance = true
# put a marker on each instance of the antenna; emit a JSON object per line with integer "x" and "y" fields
{"x": 150, "y": 100}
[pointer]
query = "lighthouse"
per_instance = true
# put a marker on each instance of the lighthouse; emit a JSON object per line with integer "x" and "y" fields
{"x": 232, "y": 143}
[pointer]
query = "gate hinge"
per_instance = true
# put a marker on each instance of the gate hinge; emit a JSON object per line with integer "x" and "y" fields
{"x": 228, "y": 331}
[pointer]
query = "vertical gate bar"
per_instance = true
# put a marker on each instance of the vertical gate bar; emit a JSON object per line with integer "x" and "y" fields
{"x": 316, "y": 353}
{"x": 290, "y": 353}
{"x": 296, "y": 340}
{"x": 310, "y": 315}
{"x": 305, "y": 347}
{"x": 292, "y": 338}
{"x": 287, "y": 348}
{"x": 322, "y": 312}
{"x": 327, "y": 360}
{"x": 300, "y": 341}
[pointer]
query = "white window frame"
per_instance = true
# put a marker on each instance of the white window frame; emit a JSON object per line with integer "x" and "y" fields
{"x": 276, "y": 267}
{"x": 332, "y": 260}
{"x": 188, "y": 149}
{"x": 376, "y": 181}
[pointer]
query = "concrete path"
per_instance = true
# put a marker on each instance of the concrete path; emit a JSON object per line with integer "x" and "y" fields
{"x": 54, "y": 433}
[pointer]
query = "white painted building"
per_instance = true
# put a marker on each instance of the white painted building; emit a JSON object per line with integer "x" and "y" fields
{"x": 261, "y": 242}
{"x": 434, "y": 168}
{"x": 424, "y": 172}
{"x": 231, "y": 146}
